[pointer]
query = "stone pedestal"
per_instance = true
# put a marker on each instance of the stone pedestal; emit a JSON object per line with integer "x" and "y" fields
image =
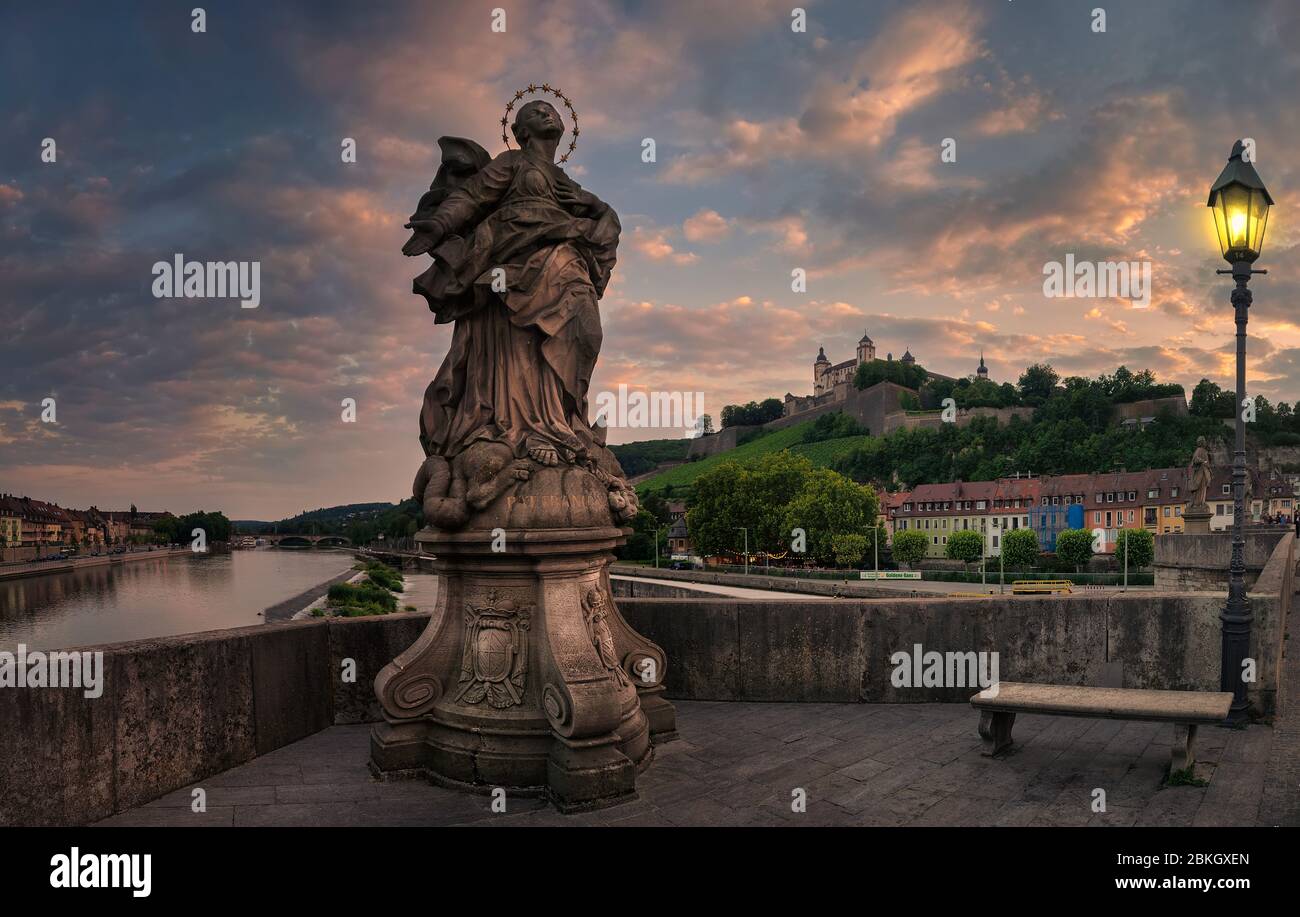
{"x": 527, "y": 677}
{"x": 1196, "y": 520}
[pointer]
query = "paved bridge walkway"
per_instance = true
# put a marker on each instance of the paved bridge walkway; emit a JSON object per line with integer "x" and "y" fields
{"x": 738, "y": 764}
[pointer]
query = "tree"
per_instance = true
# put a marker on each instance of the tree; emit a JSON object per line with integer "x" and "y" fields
{"x": 1209, "y": 400}
{"x": 873, "y": 372}
{"x": 1019, "y": 549}
{"x": 833, "y": 425}
{"x": 967, "y": 546}
{"x": 1074, "y": 546}
{"x": 849, "y": 549}
{"x": 829, "y": 504}
{"x": 1141, "y": 546}
{"x": 1037, "y": 383}
{"x": 753, "y": 413}
{"x": 910, "y": 546}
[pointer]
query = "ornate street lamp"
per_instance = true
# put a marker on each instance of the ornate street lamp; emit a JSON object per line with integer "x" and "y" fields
{"x": 1240, "y": 203}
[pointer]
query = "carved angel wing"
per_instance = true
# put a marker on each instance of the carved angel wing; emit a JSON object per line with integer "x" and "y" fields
{"x": 461, "y": 158}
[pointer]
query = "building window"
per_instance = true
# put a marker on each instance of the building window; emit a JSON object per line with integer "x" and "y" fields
{"x": 1174, "y": 492}
{"x": 1226, "y": 489}
{"x": 1166, "y": 514}
{"x": 1178, "y": 511}
{"x": 1096, "y": 518}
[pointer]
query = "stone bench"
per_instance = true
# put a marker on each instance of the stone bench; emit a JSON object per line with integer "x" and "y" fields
{"x": 999, "y": 705}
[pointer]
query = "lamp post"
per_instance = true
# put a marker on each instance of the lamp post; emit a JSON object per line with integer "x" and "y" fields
{"x": 746, "y": 531}
{"x": 1240, "y": 203}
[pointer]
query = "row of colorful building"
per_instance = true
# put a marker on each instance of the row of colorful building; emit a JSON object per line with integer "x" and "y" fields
{"x": 1154, "y": 500}
{"x": 26, "y": 523}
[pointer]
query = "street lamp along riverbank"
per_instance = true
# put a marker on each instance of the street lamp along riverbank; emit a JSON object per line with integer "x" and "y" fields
{"x": 1240, "y": 203}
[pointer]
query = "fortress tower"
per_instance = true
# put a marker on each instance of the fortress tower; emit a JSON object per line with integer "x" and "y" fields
{"x": 866, "y": 349}
{"x": 820, "y": 366}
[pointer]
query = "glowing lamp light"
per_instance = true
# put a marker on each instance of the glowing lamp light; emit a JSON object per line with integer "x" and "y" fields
{"x": 1240, "y": 203}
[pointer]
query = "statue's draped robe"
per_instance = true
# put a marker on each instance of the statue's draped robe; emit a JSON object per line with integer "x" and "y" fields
{"x": 520, "y": 362}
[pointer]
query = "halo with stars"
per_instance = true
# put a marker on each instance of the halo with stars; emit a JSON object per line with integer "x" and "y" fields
{"x": 545, "y": 88}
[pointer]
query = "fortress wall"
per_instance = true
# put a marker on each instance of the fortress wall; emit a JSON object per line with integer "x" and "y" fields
{"x": 1150, "y": 407}
{"x": 714, "y": 443}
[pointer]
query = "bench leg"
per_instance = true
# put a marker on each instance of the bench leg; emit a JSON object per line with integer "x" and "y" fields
{"x": 995, "y": 730}
{"x": 1184, "y": 753}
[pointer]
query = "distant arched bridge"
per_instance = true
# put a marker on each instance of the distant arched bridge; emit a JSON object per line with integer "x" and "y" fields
{"x": 306, "y": 541}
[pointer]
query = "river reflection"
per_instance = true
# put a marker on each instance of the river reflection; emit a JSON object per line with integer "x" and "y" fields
{"x": 157, "y": 597}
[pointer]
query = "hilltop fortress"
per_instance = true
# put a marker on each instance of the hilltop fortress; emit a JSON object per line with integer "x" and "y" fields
{"x": 878, "y": 408}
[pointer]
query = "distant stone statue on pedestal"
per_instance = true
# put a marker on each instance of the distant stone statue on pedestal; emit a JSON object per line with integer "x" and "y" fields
{"x": 527, "y": 678}
{"x": 1196, "y": 519}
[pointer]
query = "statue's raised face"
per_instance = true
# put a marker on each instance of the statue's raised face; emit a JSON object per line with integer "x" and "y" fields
{"x": 537, "y": 119}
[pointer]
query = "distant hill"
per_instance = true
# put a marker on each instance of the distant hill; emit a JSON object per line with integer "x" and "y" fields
{"x": 639, "y": 458}
{"x": 329, "y": 518}
{"x": 823, "y": 454}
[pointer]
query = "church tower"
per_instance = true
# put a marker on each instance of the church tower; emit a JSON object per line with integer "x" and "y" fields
{"x": 866, "y": 349}
{"x": 983, "y": 371}
{"x": 820, "y": 366}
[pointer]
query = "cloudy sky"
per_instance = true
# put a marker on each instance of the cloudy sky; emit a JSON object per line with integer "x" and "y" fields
{"x": 776, "y": 150}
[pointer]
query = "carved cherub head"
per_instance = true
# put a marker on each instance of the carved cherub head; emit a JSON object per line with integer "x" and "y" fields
{"x": 595, "y": 603}
{"x": 537, "y": 118}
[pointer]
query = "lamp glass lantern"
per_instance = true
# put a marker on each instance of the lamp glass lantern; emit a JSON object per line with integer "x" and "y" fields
{"x": 1240, "y": 203}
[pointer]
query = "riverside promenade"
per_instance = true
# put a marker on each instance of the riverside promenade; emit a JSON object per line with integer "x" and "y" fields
{"x": 43, "y": 567}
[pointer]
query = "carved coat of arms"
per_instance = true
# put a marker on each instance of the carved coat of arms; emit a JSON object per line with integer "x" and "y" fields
{"x": 494, "y": 663}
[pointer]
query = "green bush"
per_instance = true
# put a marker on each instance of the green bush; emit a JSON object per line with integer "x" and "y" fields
{"x": 361, "y": 594}
{"x": 1074, "y": 547}
{"x": 1019, "y": 548}
{"x": 1141, "y": 546}
{"x": 966, "y": 546}
{"x": 909, "y": 547}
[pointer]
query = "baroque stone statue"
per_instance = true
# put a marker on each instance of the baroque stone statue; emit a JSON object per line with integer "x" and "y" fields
{"x": 1199, "y": 474}
{"x": 522, "y": 255}
{"x": 527, "y": 676}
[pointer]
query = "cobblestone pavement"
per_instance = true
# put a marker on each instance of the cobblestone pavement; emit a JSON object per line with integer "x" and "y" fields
{"x": 739, "y": 764}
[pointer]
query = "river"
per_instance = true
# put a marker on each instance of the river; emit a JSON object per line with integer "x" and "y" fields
{"x": 158, "y": 597}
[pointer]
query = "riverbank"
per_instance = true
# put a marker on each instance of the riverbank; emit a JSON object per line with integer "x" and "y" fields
{"x": 45, "y": 568}
{"x": 419, "y": 594}
{"x": 300, "y": 605}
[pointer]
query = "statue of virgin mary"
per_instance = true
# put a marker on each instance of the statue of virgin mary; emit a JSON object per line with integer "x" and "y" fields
{"x": 521, "y": 256}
